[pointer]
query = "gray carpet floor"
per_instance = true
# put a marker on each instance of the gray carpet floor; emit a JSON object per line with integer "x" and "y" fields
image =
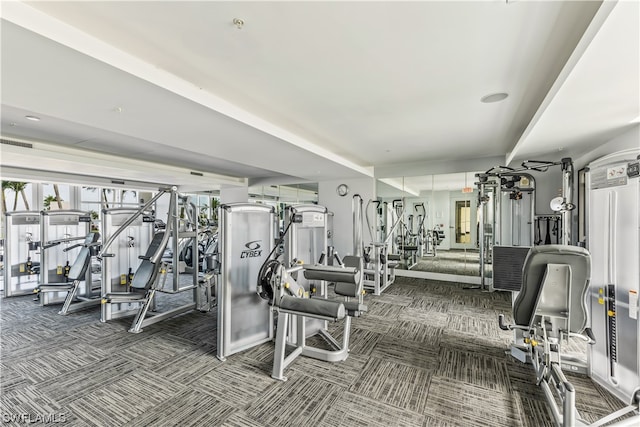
{"x": 426, "y": 354}
{"x": 464, "y": 263}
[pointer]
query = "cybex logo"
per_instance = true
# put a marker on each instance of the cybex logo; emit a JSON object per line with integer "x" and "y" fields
{"x": 253, "y": 249}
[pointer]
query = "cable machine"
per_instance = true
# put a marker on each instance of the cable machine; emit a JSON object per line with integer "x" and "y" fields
{"x": 507, "y": 220}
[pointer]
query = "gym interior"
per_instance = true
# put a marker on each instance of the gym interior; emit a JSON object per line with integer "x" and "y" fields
{"x": 320, "y": 213}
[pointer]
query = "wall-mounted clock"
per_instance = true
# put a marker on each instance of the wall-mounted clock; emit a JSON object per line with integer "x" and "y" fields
{"x": 342, "y": 190}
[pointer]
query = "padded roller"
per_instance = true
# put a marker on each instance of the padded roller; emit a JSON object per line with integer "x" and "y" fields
{"x": 351, "y": 289}
{"x": 409, "y": 248}
{"x": 313, "y": 307}
{"x": 354, "y": 308}
{"x": 393, "y": 257}
{"x": 333, "y": 274}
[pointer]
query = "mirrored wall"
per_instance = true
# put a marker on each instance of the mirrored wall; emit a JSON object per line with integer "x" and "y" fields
{"x": 438, "y": 225}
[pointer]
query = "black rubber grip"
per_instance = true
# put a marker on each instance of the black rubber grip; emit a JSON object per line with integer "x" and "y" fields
{"x": 589, "y": 333}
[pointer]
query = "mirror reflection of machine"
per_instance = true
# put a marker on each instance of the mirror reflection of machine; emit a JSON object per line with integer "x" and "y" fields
{"x": 379, "y": 263}
{"x": 21, "y": 252}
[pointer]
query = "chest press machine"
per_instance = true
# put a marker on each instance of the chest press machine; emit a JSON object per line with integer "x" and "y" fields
{"x": 79, "y": 272}
{"x": 550, "y": 308}
{"x": 148, "y": 279}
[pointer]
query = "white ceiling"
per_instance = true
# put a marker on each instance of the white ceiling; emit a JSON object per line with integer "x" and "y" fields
{"x": 307, "y": 91}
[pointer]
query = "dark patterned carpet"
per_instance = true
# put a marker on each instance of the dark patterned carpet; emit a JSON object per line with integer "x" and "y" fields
{"x": 427, "y": 354}
{"x": 464, "y": 263}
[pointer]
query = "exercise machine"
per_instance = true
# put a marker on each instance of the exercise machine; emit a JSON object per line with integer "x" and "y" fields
{"x": 76, "y": 297}
{"x": 59, "y": 232}
{"x": 21, "y": 252}
{"x": 296, "y": 290}
{"x": 379, "y": 265}
{"x": 424, "y": 239}
{"x": 278, "y": 285}
{"x": 126, "y": 233}
{"x": 151, "y": 274}
{"x": 506, "y": 207}
{"x": 506, "y": 215}
{"x": 550, "y": 308}
{"x": 613, "y": 200}
{"x": 428, "y": 239}
{"x": 246, "y": 240}
{"x": 306, "y": 241}
{"x": 404, "y": 244}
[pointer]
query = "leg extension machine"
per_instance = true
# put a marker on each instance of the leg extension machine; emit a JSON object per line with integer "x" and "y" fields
{"x": 550, "y": 308}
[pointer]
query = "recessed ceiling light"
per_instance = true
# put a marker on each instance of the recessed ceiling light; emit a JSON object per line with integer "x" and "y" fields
{"x": 33, "y": 118}
{"x": 494, "y": 97}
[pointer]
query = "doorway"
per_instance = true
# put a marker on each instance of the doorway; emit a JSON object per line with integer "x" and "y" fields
{"x": 463, "y": 222}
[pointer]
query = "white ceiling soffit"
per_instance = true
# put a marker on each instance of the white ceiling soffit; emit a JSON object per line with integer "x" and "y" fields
{"x": 144, "y": 102}
{"x": 597, "y": 95}
{"x": 61, "y": 132}
{"x": 347, "y": 85}
{"x": 45, "y": 157}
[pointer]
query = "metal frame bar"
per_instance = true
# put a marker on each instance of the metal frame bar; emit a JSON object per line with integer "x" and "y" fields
{"x": 13, "y": 287}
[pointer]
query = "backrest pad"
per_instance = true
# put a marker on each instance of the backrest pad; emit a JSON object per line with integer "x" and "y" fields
{"x": 146, "y": 273}
{"x": 79, "y": 267}
{"x": 533, "y": 273}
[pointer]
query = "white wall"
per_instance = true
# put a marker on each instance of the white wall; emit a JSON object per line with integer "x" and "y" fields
{"x": 627, "y": 140}
{"x": 342, "y": 209}
{"x": 548, "y": 186}
{"x": 234, "y": 194}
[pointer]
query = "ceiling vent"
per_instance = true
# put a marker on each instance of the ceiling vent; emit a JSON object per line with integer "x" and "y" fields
{"x": 113, "y": 181}
{"x": 16, "y": 143}
{"x": 197, "y": 173}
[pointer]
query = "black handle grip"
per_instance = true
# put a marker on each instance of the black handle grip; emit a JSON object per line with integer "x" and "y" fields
{"x": 71, "y": 247}
{"x": 589, "y": 333}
